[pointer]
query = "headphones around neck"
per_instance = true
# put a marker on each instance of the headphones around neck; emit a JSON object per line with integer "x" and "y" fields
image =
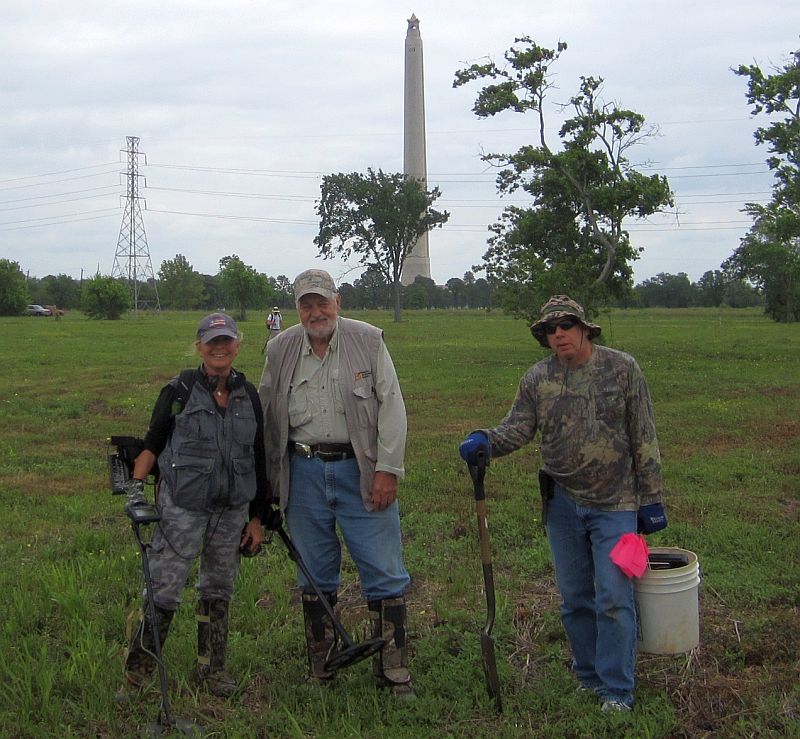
{"x": 232, "y": 381}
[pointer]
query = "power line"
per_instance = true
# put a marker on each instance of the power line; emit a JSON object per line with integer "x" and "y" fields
{"x": 62, "y": 171}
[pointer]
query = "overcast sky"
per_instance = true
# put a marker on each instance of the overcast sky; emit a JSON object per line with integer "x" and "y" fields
{"x": 241, "y": 106}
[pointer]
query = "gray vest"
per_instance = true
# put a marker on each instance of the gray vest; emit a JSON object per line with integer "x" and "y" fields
{"x": 209, "y": 461}
{"x": 359, "y": 345}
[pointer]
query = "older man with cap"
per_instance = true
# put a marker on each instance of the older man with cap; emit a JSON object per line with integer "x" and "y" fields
{"x": 206, "y": 434}
{"x": 600, "y": 479}
{"x": 335, "y": 438}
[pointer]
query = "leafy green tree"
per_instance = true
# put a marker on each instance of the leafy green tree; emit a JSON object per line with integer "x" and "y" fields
{"x": 181, "y": 286}
{"x": 769, "y": 255}
{"x": 377, "y": 216}
{"x": 105, "y": 297}
{"x": 374, "y": 290}
{"x": 667, "y": 291}
{"x": 61, "y": 290}
{"x": 711, "y": 288}
{"x": 285, "y": 292}
{"x": 13, "y": 290}
{"x": 572, "y": 239}
{"x": 241, "y": 284}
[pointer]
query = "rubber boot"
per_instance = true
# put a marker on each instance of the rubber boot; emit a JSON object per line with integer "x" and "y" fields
{"x": 140, "y": 659}
{"x": 390, "y": 665}
{"x": 321, "y": 638}
{"x": 212, "y": 645}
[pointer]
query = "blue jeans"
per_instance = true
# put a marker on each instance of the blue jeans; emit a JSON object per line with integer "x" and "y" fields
{"x": 326, "y": 493}
{"x": 597, "y": 602}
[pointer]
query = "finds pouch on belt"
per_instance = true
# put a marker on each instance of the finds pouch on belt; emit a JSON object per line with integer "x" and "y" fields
{"x": 546, "y": 489}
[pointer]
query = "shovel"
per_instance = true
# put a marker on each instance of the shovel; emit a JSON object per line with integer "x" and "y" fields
{"x": 478, "y": 472}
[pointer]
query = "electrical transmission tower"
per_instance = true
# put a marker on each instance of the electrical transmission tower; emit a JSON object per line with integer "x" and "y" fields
{"x": 132, "y": 259}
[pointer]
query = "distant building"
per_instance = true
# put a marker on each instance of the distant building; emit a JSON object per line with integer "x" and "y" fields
{"x": 418, "y": 262}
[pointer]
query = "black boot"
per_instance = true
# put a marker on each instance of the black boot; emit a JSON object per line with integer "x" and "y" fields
{"x": 321, "y": 636}
{"x": 140, "y": 660}
{"x": 212, "y": 645}
{"x": 390, "y": 665}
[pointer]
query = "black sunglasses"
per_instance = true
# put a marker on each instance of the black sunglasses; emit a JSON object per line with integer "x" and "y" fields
{"x": 565, "y": 325}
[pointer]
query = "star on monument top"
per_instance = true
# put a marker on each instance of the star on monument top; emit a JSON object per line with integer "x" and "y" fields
{"x": 413, "y": 22}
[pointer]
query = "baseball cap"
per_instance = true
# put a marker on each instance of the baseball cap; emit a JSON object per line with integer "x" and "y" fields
{"x": 216, "y": 324}
{"x": 316, "y": 281}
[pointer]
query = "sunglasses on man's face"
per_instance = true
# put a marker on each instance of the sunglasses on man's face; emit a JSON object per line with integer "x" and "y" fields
{"x": 565, "y": 325}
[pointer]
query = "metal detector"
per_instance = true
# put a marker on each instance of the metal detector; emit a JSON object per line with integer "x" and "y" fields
{"x": 142, "y": 515}
{"x": 352, "y": 652}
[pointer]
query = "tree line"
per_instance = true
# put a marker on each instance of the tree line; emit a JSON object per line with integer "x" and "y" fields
{"x": 571, "y": 238}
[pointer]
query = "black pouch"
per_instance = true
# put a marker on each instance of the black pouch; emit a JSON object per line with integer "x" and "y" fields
{"x": 547, "y": 490}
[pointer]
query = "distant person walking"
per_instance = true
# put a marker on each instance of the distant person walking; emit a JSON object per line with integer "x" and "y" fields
{"x": 275, "y": 320}
{"x": 274, "y": 325}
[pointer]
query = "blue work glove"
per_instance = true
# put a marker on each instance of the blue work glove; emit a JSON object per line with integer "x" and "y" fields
{"x": 651, "y": 518}
{"x": 476, "y": 442}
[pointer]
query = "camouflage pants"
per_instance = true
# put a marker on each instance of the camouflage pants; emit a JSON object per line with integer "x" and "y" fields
{"x": 183, "y": 535}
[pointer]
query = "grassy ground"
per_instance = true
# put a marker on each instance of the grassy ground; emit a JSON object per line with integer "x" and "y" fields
{"x": 727, "y": 395}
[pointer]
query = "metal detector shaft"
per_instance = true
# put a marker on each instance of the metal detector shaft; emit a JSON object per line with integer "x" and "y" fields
{"x": 478, "y": 472}
{"x": 151, "y": 610}
{"x": 139, "y": 516}
{"x": 352, "y": 652}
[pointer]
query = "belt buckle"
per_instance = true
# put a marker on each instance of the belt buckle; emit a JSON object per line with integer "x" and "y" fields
{"x": 303, "y": 449}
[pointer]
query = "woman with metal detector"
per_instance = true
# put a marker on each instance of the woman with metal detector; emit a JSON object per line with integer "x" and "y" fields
{"x": 206, "y": 436}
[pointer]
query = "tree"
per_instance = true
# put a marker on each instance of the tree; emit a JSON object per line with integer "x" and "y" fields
{"x": 572, "y": 239}
{"x": 105, "y": 297}
{"x": 13, "y": 290}
{"x": 181, "y": 286}
{"x": 769, "y": 255}
{"x": 374, "y": 290}
{"x": 666, "y": 291}
{"x": 377, "y": 216}
{"x": 241, "y": 284}
{"x": 62, "y": 291}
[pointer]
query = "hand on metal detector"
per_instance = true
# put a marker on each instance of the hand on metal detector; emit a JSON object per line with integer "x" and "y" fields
{"x": 134, "y": 492}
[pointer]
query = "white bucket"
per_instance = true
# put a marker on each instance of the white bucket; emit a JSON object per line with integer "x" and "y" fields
{"x": 668, "y": 603}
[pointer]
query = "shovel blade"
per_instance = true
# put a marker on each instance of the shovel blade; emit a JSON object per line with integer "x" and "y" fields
{"x": 490, "y": 669}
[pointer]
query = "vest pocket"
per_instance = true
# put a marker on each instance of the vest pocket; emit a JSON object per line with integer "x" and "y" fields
{"x": 244, "y": 480}
{"x": 366, "y": 403}
{"x": 193, "y": 478}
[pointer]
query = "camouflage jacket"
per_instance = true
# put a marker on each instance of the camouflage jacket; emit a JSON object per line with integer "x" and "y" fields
{"x": 598, "y": 433}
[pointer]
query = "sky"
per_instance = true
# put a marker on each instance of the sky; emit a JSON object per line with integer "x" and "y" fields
{"x": 242, "y": 107}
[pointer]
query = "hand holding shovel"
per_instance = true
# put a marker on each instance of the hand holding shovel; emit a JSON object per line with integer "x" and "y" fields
{"x": 478, "y": 472}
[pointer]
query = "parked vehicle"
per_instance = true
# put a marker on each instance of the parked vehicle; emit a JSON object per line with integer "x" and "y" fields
{"x": 37, "y": 310}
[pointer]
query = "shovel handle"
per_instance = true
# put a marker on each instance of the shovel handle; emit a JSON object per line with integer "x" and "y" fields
{"x": 477, "y": 472}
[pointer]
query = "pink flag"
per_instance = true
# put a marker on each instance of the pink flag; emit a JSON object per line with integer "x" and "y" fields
{"x": 630, "y": 554}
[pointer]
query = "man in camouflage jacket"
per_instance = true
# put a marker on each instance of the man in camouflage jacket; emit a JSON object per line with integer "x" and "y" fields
{"x": 601, "y": 478}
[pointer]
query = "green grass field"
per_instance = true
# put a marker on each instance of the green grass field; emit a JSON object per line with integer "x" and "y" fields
{"x": 726, "y": 389}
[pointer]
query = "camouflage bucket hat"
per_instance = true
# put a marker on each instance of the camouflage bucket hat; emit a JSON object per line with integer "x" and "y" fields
{"x": 561, "y": 306}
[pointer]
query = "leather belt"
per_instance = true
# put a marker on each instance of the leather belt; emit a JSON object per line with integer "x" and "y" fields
{"x": 325, "y": 452}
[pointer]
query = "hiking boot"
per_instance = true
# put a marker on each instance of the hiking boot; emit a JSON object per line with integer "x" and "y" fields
{"x": 140, "y": 659}
{"x": 212, "y": 644}
{"x": 390, "y": 664}
{"x": 321, "y": 638}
